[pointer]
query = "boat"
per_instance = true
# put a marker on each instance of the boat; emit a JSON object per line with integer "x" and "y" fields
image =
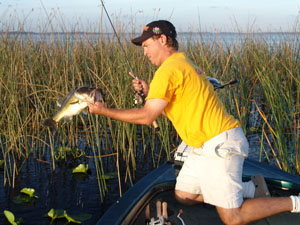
{"x": 158, "y": 187}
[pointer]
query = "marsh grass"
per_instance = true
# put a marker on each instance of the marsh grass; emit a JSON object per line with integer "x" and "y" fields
{"x": 36, "y": 70}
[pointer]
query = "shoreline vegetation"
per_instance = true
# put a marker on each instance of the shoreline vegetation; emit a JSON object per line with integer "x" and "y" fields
{"x": 179, "y": 33}
{"x": 35, "y": 74}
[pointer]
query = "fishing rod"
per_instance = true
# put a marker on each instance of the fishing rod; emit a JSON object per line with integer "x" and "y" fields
{"x": 140, "y": 93}
{"x": 115, "y": 32}
{"x": 221, "y": 86}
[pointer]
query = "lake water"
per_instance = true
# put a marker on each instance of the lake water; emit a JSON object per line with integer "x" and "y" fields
{"x": 223, "y": 38}
{"x": 60, "y": 189}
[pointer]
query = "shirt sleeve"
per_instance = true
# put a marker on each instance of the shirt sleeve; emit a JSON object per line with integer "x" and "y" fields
{"x": 163, "y": 84}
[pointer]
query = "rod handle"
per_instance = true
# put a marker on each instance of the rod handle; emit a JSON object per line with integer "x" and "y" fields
{"x": 164, "y": 210}
{"x": 158, "y": 208}
{"x": 147, "y": 212}
{"x": 155, "y": 125}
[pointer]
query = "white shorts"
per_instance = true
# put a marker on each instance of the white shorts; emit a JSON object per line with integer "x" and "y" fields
{"x": 215, "y": 169}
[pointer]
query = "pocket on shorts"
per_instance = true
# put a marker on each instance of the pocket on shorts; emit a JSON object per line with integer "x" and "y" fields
{"x": 233, "y": 146}
{"x": 239, "y": 142}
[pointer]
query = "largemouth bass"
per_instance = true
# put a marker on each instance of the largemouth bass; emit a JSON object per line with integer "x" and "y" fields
{"x": 73, "y": 104}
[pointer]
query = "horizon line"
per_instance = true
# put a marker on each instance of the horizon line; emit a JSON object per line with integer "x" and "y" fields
{"x": 183, "y": 32}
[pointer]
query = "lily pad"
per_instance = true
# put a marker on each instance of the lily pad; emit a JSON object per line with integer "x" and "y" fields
{"x": 81, "y": 168}
{"x": 56, "y": 213}
{"x": 11, "y": 218}
{"x": 24, "y": 199}
{"x": 62, "y": 214}
{"x": 81, "y": 217}
{"x": 30, "y": 192}
{"x": 70, "y": 219}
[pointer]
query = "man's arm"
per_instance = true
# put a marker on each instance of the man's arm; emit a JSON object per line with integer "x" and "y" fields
{"x": 145, "y": 115}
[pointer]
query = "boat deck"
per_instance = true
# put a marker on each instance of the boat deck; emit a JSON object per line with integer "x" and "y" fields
{"x": 159, "y": 185}
{"x": 199, "y": 214}
{"x": 204, "y": 214}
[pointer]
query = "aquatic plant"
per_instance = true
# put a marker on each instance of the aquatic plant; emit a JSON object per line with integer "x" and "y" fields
{"x": 61, "y": 153}
{"x": 108, "y": 176}
{"x": 29, "y": 191}
{"x": 11, "y": 218}
{"x": 81, "y": 168}
{"x": 55, "y": 214}
{"x": 26, "y": 197}
{"x": 62, "y": 214}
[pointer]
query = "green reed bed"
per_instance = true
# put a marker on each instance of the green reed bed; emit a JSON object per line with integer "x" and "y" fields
{"x": 38, "y": 70}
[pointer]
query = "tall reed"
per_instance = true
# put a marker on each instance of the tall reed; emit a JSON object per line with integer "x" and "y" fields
{"x": 36, "y": 70}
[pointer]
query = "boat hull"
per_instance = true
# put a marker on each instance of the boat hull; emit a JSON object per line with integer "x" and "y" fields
{"x": 159, "y": 184}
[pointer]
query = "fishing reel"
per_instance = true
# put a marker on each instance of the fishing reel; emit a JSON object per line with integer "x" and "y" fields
{"x": 139, "y": 98}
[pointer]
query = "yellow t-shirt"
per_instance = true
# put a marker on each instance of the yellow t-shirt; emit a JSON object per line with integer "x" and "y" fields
{"x": 193, "y": 107}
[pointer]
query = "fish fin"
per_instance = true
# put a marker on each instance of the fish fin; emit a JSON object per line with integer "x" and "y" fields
{"x": 74, "y": 102}
{"x": 68, "y": 119}
{"x": 50, "y": 123}
{"x": 59, "y": 102}
{"x": 85, "y": 111}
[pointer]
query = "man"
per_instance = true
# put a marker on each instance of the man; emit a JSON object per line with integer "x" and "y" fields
{"x": 212, "y": 172}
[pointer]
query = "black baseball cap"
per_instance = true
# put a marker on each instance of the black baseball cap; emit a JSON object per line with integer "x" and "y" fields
{"x": 156, "y": 28}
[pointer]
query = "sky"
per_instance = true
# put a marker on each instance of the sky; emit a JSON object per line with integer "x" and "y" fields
{"x": 186, "y": 15}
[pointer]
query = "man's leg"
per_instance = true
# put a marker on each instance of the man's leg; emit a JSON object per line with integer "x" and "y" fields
{"x": 188, "y": 198}
{"x": 250, "y": 210}
{"x": 255, "y": 209}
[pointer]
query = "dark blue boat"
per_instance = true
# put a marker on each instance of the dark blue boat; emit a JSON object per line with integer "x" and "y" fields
{"x": 159, "y": 185}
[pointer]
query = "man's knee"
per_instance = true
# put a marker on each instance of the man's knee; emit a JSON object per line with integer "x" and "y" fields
{"x": 187, "y": 198}
{"x": 230, "y": 216}
{"x": 179, "y": 196}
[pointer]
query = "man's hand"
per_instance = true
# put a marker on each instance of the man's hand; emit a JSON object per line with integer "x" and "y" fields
{"x": 139, "y": 85}
{"x": 96, "y": 107}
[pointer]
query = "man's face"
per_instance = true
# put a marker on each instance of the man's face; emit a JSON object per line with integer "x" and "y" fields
{"x": 153, "y": 49}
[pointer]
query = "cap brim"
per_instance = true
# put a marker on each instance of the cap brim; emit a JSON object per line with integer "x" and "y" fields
{"x": 139, "y": 40}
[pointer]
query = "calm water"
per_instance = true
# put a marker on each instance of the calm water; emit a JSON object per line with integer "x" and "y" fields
{"x": 223, "y": 38}
{"x": 60, "y": 189}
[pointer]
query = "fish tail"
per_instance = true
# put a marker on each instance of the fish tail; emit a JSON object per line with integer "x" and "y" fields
{"x": 50, "y": 123}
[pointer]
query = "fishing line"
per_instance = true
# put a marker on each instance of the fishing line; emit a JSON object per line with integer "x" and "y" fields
{"x": 119, "y": 41}
{"x": 140, "y": 94}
